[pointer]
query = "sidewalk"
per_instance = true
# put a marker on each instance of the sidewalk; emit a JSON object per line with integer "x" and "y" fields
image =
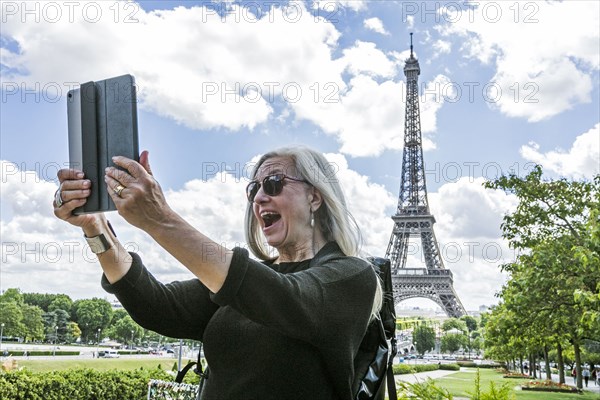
{"x": 592, "y": 387}
{"x": 422, "y": 376}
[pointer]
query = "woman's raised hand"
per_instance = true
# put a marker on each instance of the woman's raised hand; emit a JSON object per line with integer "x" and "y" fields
{"x": 137, "y": 195}
{"x": 73, "y": 192}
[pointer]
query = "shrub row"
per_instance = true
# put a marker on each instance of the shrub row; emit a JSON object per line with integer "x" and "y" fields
{"x": 43, "y": 353}
{"x": 130, "y": 352}
{"x": 450, "y": 367}
{"x": 471, "y": 364}
{"x": 78, "y": 384}
{"x": 400, "y": 369}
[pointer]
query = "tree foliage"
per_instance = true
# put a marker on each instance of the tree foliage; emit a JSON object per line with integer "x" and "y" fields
{"x": 424, "y": 338}
{"x": 91, "y": 315}
{"x": 454, "y": 323}
{"x": 61, "y": 301}
{"x": 452, "y": 342}
{"x": 42, "y": 300}
{"x": 551, "y": 297}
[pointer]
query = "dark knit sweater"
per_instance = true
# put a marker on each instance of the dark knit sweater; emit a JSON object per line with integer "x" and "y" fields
{"x": 283, "y": 331}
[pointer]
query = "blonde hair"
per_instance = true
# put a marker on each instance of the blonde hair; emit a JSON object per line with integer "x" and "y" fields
{"x": 332, "y": 218}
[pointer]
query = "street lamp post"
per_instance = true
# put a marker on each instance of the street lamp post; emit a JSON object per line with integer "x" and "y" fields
{"x": 1, "y": 333}
{"x": 416, "y": 351}
{"x": 131, "y": 346}
{"x": 98, "y": 343}
{"x": 55, "y": 340}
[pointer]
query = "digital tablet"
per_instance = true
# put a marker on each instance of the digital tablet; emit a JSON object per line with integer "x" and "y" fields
{"x": 102, "y": 123}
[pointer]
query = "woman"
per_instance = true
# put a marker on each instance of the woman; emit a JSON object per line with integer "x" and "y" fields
{"x": 284, "y": 328}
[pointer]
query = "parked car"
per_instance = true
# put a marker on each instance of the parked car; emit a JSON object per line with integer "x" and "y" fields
{"x": 111, "y": 354}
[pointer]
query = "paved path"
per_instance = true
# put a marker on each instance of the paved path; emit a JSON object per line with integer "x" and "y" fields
{"x": 422, "y": 376}
{"x": 592, "y": 387}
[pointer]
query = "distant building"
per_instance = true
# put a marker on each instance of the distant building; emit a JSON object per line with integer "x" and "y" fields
{"x": 116, "y": 305}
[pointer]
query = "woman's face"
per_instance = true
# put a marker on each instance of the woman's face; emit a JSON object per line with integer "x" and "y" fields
{"x": 284, "y": 218}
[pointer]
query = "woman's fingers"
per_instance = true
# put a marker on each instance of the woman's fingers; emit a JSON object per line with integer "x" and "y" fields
{"x": 145, "y": 161}
{"x": 133, "y": 169}
{"x": 69, "y": 174}
{"x": 72, "y": 192}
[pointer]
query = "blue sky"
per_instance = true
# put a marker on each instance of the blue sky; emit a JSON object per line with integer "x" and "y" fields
{"x": 504, "y": 85}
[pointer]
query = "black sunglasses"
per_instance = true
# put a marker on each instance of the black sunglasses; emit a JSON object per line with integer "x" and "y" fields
{"x": 272, "y": 185}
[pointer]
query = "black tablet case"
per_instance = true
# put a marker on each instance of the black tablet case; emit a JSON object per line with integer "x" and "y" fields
{"x": 102, "y": 123}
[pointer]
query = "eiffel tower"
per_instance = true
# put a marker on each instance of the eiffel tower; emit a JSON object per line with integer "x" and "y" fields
{"x": 413, "y": 218}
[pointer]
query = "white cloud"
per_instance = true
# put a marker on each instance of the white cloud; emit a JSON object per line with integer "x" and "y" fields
{"x": 191, "y": 64}
{"x": 376, "y": 25}
{"x": 545, "y": 53}
{"x": 582, "y": 160}
{"x": 441, "y": 47}
{"x": 206, "y": 70}
{"x": 39, "y": 252}
{"x": 468, "y": 230}
{"x": 466, "y": 209}
{"x": 369, "y": 203}
{"x": 364, "y": 57}
{"x": 333, "y": 10}
{"x": 369, "y": 117}
{"x": 355, "y": 5}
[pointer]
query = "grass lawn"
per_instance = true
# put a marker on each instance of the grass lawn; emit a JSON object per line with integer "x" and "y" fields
{"x": 459, "y": 383}
{"x": 99, "y": 364}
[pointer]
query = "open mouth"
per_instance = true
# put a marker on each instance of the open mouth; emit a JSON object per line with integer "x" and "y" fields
{"x": 269, "y": 218}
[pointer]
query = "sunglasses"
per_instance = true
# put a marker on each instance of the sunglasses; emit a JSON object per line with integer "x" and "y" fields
{"x": 272, "y": 185}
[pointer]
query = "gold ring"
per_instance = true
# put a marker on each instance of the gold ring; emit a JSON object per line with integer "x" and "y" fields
{"x": 119, "y": 189}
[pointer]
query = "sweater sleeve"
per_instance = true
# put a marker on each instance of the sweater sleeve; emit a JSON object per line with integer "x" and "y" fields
{"x": 326, "y": 305}
{"x": 178, "y": 309}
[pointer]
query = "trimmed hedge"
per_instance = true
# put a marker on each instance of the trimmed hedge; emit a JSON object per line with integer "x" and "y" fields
{"x": 450, "y": 367}
{"x": 471, "y": 364}
{"x": 401, "y": 369}
{"x": 467, "y": 364}
{"x": 78, "y": 384}
{"x": 44, "y": 353}
{"x": 130, "y": 352}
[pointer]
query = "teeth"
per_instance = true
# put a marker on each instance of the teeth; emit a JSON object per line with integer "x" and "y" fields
{"x": 269, "y": 217}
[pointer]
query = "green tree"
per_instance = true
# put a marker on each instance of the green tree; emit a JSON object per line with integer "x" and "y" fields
{"x": 12, "y": 294}
{"x": 470, "y": 322}
{"x": 122, "y": 330}
{"x": 72, "y": 332}
{"x": 424, "y": 338}
{"x": 546, "y": 209}
{"x": 56, "y": 326}
{"x": 476, "y": 344}
{"x": 12, "y": 318}
{"x": 551, "y": 227}
{"x": 33, "y": 322}
{"x": 91, "y": 315}
{"x": 118, "y": 314}
{"x": 588, "y": 254}
{"x": 42, "y": 300}
{"x": 63, "y": 302}
{"x": 454, "y": 323}
{"x": 452, "y": 342}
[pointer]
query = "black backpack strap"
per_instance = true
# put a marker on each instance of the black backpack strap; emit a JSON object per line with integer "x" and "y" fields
{"x": 184, "y": 370}
{"x": 391, "y": 382}
{"x": 203, "y": 375}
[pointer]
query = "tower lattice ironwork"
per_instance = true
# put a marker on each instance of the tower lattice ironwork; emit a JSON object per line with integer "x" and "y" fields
{"x": 413, "y": 219}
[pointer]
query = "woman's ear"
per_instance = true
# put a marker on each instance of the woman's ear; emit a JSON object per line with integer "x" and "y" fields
{"x": 316, "y": 199}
